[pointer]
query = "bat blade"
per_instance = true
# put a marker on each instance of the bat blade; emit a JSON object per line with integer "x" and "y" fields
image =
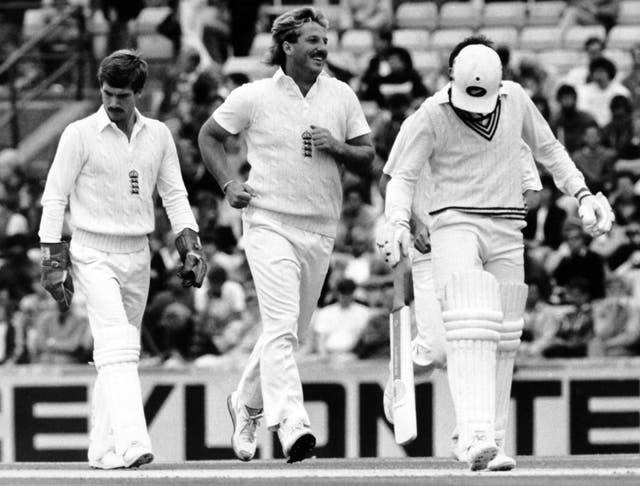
{"x": 404, "y": 400}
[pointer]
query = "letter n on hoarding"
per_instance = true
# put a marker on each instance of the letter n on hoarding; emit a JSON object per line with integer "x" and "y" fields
{"x": 27, "y": 425}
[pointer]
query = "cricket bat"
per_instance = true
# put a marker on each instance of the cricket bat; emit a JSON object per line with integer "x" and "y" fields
{"x": 404, "y": 396}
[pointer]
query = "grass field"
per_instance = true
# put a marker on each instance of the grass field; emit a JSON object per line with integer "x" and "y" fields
{"x": 531, "y": 471}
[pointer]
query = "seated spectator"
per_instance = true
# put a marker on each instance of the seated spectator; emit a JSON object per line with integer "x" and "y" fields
{"x": 595, "y": 96}
{"x": 167, "y": 328}
{"x": 570, "y": 333}
{"x": 508, "y": 72}
{"x": 338, "y": 326}
{"x": 628, "y": 253}
{"x": 177, "y": 85}
{"x": 224, "y": 304}
{"x": 569, "y": 124}
{"x": 542, "y": 104}
{"x": 616, "y": 322}
{"x": 595, "y": 161}
{"x": 386, "y": 126}
{"x": 63, "y": 337}
{"x": 579, "y": 75}
{"x": 537, "y": 316}
{"x": 629, "y": 153}
{"x": 589, "y": 12}
{"x": 23, "y": 322}
{"x": 632, "y": 80}
{"x": 618, "y": 133}
{"x": 575, "y": 259}
{"x": 544, "y": 218}
{"x": 355, "y": 213}
{"x": 390, "y": 71}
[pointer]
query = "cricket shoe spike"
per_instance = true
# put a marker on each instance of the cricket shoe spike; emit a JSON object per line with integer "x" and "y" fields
{"x": 296, "y": 439}
{"x": 245, "y": 424}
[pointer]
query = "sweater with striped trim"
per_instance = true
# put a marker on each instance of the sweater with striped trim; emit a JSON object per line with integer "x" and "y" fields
{"x": 473, "y": 173}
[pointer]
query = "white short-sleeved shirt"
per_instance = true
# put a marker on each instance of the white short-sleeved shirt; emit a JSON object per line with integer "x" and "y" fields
{"x": 304, "y": 192}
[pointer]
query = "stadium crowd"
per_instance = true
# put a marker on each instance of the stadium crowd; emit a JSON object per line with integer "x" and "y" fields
{"x": 584, "y": 294}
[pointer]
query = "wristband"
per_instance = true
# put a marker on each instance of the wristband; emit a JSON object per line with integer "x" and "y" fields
{"x": 224, "y": 187}
{"x": 582, "y": 193}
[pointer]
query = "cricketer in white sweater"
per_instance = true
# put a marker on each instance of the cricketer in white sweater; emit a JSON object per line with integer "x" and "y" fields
{"x": 472, "y": 173}
{"x": 109, "y": 183}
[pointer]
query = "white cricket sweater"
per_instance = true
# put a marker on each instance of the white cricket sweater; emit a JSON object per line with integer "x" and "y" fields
{"x": 109, "y": 183}
{"x": 421, "y": 204}
{"x": 473, "y": 173}
{"x": 304, "y": 192}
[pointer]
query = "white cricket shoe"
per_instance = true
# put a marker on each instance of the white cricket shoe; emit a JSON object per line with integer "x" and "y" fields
{"x": 243, "y": 439}
{"x": 137, "y": 455}
{"x": 481, "y": 452}
{"x": 296, "y": 439}
{"x": 501, "y": 462}
{"x": 109, "y": 460}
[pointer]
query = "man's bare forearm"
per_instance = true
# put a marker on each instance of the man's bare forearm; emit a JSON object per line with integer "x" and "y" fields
{"x": 356, "y": 158}
{"x": 214, "y": 157}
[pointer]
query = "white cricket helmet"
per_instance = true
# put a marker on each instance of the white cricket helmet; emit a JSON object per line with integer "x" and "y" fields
{"x": 476, "y": 77}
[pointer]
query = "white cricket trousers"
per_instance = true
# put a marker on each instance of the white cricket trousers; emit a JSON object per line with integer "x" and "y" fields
{"x": 289, "y": 266}
{"x": 115, "y": 286}
{"x": 462, "y": 242}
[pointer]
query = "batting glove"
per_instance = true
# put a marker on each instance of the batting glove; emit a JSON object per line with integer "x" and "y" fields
{"x": 54, "y": 273}
{"x": 596, "y": 214}
{"x": 394, "y": 242}
{"x": 194, "y": 266}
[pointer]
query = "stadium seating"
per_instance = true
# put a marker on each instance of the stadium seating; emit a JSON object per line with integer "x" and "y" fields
{"x": 507, "y": 36}
{"x": 442, "y": 39}
{"x": 417, "y": 15}
{"x": 411, "y": 38}
{"x": 629, "y": 13}
{"x": 623, "y": 36}
{"x": 511, "y": 14}
{"x": 578, "y": 34}
{"x": 621, "y": 58}
{"x": 458, "y": 15}
{"x": 250, "y": 65}
{"x": 536, "y": 38}
{"x": 426, "y": 61}
{"x": 357, "y": 41}
{"x": 545, "y": 13}
{"x": 561, "y": 61}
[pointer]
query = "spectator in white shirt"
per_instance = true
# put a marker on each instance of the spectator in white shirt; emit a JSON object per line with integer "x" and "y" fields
{"x": 338, "y": 326}
{"x": 595, "y": 96}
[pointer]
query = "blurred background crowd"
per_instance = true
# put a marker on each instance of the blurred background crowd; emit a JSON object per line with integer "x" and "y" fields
{"x": 582, "y": 73}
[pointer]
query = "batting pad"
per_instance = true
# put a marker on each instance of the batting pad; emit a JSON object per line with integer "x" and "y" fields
{"x": 514, "y": 299}
{"x": 116, "y": 354}
{"x": 472, "y": 319}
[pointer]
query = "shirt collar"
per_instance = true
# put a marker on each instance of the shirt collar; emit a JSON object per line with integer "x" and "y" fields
{"x": 441, "y": 97}
{"x": 280, "y": 74}
{"x": 104, "y": 121}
